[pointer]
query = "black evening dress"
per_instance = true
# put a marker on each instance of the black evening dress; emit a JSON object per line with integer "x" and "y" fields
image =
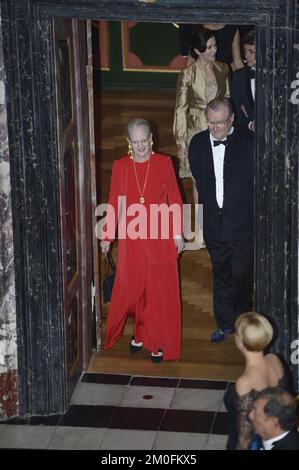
{"x": 240, "y": 429}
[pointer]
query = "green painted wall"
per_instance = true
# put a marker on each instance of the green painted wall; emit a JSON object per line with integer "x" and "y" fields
{"x": 154, "y": 43}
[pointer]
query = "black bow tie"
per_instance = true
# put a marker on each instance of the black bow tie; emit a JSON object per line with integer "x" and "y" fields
{"x": 252, "y": 73}
{"x": 218, "y": 142}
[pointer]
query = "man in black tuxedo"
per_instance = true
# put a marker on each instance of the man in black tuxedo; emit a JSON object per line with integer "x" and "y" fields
{"x": 222, "y": 164}
{"x": 274, "y": 419}
{"x": 243, "y": 86}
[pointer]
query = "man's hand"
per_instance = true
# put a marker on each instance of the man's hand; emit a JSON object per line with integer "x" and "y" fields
{"x": 105, "y": 246}
{"x": 243, "y": 109}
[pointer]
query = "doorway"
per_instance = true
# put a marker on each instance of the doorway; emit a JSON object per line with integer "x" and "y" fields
{"x": 127, "y": 85}
{"x": 39, "y": 298}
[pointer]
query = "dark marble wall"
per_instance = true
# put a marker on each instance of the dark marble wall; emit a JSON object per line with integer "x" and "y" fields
{"x": 8, "y": 346}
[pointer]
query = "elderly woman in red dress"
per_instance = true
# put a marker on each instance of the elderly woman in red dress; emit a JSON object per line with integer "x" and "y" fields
{"x": 146, "y": 282}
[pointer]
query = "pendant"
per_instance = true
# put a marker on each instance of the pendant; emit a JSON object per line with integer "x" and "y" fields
{"x": 141, "y": 200}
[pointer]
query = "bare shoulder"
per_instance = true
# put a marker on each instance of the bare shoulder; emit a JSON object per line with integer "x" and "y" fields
{"x": 273, "y": 360}
{"x": 244, "y": 384}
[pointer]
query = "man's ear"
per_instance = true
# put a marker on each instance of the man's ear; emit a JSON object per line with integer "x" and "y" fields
{"x": 274, "y": 422}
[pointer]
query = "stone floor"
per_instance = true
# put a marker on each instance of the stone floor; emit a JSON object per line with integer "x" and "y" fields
{"x": 123, "y": 412}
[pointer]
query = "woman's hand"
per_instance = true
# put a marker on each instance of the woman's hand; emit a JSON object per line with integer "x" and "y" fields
{"x": 105, "y": 246}
{"x": 180, "y": 244}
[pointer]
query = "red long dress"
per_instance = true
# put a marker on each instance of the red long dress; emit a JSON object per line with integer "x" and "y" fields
{"x": 146, "y": 282}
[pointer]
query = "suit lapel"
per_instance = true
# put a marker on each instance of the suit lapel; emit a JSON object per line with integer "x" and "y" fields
{"x": 210, "y": 167}
{"x": 210, "y": 162}
{"x": 277, "y": 444}
{"x": 228, "y": 165}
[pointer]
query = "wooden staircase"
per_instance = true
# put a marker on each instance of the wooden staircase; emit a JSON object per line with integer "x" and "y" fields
{"x": 200, "y": 358}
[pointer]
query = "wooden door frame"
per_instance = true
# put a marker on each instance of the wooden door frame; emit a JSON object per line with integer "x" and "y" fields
{"x": 76, "y": 136}
{"x": 28, "y": 52}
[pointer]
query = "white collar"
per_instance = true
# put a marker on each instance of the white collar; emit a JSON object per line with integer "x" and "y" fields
{"x": 268, "y": 443}
{"x": 212, "y": 138}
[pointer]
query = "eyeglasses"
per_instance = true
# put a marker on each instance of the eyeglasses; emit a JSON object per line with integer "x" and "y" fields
{"x": 218, "y": 123}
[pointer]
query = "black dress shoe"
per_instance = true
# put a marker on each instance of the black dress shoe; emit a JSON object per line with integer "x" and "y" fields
{"x": 133, "y": 348}
{"x": 157, "y": 359}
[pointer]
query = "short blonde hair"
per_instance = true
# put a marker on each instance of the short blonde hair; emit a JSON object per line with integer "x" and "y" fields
{"x": 254, "y": 330}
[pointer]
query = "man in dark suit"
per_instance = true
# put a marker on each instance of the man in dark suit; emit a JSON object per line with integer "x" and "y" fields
{"x": 274, "y": 419}
{"x": 243, "y": 86}
{"x": 222, "y": 164}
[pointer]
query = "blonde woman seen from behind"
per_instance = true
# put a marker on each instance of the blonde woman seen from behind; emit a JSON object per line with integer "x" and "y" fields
{"x": 253, "y": 333}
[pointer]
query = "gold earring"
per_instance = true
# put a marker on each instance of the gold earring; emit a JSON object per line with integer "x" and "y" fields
{"x": 130, "y": 150}
{"x": 151, "y": 146}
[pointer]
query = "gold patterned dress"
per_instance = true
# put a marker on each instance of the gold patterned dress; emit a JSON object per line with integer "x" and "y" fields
{"x": 211, "y": 89}
{"x": 193, "y": 94}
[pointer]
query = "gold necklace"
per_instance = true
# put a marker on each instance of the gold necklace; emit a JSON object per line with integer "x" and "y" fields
{"x": 141, "y": 199}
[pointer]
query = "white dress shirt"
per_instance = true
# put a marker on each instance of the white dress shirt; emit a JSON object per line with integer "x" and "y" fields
{"x": 218, "y": 160}
{"x": 268, "y": 443}
{"x": 252, "y": 84}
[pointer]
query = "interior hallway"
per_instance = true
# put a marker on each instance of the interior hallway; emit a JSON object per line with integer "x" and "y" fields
{"x": 200, "y": 358}
{"x": 126, "y": 402}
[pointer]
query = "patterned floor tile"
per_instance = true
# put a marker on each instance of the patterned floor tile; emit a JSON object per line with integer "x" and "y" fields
{"x": 77, "y": 438}
{"x": 129, "y": 413}
{"x": 204, "y": 384}
{"x": 196, "y": 399}
{"x": 220, "y": 425}
{"x": 148, "y": 397}
{"x": 180, "y": 441}
{"x": 98, "y": 394}
{"x": 2, "y": 429}
{"x": 88, "y": 416}
{"x": 128, "y": 439}
{"x": 187, "y": 421}
{"x": 216, "y": 442}
{"x": 116, "y": 379}
{"x": 26, "y": 437}
{"x": 137, "y": 418}
{"x": 155, "y": 381}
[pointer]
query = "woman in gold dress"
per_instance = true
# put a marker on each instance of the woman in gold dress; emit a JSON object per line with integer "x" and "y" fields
{"x": 199, "y": 83}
